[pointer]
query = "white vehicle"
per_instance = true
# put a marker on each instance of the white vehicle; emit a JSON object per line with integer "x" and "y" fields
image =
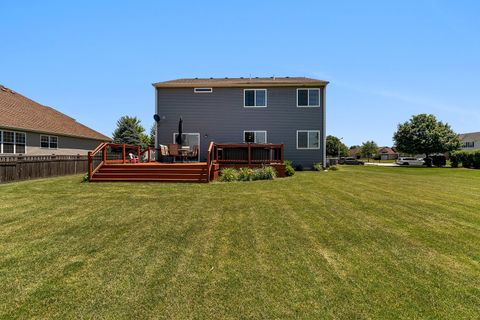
{"x": 410, "y": 161}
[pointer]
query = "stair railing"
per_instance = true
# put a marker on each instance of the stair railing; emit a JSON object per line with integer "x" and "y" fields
{"x": 210, "y": 159}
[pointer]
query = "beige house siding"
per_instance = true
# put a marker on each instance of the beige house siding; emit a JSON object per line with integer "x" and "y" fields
{"x": 66, "y": 145}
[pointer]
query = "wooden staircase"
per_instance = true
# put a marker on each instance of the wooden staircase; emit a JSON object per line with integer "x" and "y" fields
{"x": 160, "y": 172}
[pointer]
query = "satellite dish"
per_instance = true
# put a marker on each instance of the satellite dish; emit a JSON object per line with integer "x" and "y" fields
{"x": 156, "y": 117}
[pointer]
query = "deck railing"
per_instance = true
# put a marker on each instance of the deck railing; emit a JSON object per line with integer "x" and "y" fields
{"x": 248, "y": 153}
{"x": 116, "y": 153}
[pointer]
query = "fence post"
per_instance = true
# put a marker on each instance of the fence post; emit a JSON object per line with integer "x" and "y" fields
{"x": 123, "y": 153}
{"x": 90, "y": 165}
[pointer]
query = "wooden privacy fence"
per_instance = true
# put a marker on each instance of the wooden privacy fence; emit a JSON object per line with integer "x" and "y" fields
{"x": 14, "y": 168}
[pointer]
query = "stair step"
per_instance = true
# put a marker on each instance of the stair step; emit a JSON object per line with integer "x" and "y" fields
{"x": 155, "y": 170}
{"x": 149, "y": 175}
{"x": 109, "y": 179}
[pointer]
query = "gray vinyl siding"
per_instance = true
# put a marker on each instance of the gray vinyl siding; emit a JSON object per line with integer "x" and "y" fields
{"x": 221, "y": 117}
{"x": 66, "y": 145}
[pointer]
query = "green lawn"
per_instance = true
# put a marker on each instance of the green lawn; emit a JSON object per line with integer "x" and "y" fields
{"x": 362, "y": 242}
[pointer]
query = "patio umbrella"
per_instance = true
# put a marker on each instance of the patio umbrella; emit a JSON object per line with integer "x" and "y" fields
{"x": 179, "y": 140}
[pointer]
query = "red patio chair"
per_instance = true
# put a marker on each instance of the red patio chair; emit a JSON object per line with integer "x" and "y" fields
{"x": 133, "y": 158}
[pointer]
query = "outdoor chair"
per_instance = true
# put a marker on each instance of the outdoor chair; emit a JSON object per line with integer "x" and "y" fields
{"x": 173, "y": 151}
{"x": 133, "y": 158}
{"x": 193, "y": 154}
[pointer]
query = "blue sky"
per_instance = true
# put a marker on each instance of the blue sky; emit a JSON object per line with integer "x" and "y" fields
{"x": 96, "y": 60}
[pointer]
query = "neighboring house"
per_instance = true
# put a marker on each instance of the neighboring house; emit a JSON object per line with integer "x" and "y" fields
{"x": 387, "y": 153}
{"x": 29, "y": 128}
{"x": 287, "y": 110}
{"x": 355, "y": 152}
{"x": 470, "y": 141}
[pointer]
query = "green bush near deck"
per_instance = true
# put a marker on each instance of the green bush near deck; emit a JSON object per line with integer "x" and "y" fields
{"x": 317, "y": 167}
{"x": 247, "y": 174}
{"x": 229, "y": 175}
{"x": 289, "y": 171}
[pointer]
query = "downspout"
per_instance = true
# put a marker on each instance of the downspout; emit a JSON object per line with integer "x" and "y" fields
{"x": 324, "y": 127}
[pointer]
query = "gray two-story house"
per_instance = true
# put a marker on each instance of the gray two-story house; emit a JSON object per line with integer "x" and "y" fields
{"x": 286, "y": 110}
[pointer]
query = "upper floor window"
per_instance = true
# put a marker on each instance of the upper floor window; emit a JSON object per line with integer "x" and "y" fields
{"x": 50, "y": 142}
{"x": 469, "y": 144}
{"x": 308, "y": 139}
{"x": 308, "y": 97}
{"x": 12, "y": 142}
{"x": 255, "y": 97}
{"x": 255, "y": 136}
{"x": 203, "y": 90}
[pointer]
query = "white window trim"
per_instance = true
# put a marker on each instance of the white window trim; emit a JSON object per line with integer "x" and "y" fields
{"x": 308, "y": 98}
{"x": 14, "y": 142}
{"x": 255, "y": 135}
{"x": 202, "y": 90}
{"x": 49, "y": 136}
{"x": 255, "y": 98}
{"x": 193, "y": 134}
{"x": 308, "y": 139}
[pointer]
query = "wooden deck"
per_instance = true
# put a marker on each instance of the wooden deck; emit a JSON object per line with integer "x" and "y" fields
{"x": 109, "y": 162}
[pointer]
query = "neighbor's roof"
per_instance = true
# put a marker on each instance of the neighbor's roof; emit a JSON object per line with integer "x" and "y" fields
{"x": 472, "y": 136}
{"x": 241, "y": 82}
{"x": 20, "y": 113}
{"x": 386, "y": 150}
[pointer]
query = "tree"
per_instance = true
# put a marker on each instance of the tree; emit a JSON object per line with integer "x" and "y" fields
{"x": 153, "y": 133}
{"x": 356, "y": 146}
{"x": 335, "y": 147}
{"x": 369, "y": 149}
{"x": 424, "y": 134}
{"x": 130, "y": 131}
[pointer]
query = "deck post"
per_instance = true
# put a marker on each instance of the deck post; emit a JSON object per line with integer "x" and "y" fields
{"x": 149, "y": 156}
{"x": 249, "y": 154}
{"x": 123, "y": 153}
{"x": 104, "y": 155}
{"x": 281, "y": 153}
{"x": 138, "y": 153}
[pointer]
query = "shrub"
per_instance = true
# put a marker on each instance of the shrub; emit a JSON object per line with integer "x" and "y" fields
{"x": 468, "y": 158}
{"x": 245, "y": 174}
{"x": 334, "y": 168}
{"x": 289, "y": 171}
{"x": 85, "y": 177}
{"x": 299, "y": 167}
{"x": 264, "y": 173}
{"x": 317, "y": 167}
{"x": 454, "y": 160}
{"x": 228, "y": 175}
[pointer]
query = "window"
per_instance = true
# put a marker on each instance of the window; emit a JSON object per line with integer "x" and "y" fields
{"x": 203, "y": 90}
{"x": 255, "y": 136}
{"x": 469, "y": 144}
{"x": 308, "y": 139}
{"x": 20, "y": 139}
{"x": 44, "y": 141}
{"x": 49, "y": 142}
{"x": 255, "y": 98}
{"x": 12, "y": 142}
{"x": 308, "y": 97}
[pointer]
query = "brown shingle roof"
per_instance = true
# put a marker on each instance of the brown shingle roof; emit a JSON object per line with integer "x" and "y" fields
{"x": 472, "y": 136}
{"x": 241, "y": 82}
{"x": 19, "y": 112}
